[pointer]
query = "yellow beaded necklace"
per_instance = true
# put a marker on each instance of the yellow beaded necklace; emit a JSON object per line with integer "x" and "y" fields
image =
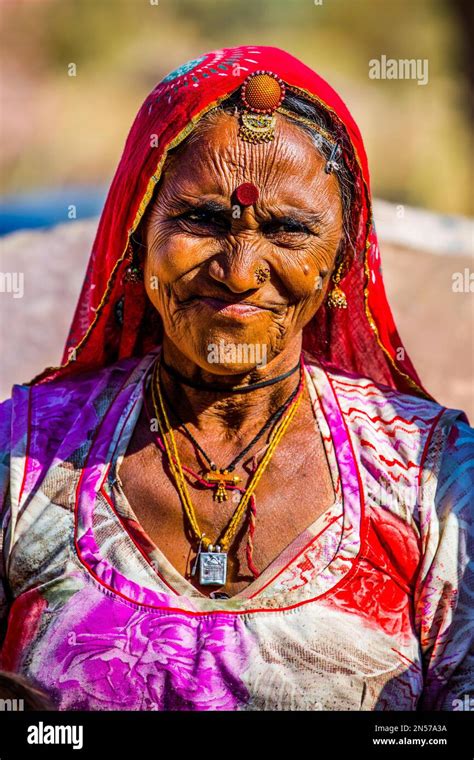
{"x": 213, "y": 560}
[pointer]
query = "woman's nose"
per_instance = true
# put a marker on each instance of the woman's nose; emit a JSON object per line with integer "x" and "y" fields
{"x": 240, "y": 268}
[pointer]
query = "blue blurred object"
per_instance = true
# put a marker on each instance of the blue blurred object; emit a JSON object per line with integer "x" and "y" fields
{"x": 46, "y": 207}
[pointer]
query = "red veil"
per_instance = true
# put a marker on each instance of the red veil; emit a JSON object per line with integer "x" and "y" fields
{"x": 361, "y": 339}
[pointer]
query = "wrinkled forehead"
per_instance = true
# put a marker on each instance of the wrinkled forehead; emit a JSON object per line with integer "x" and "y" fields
{"x": 216, "y": 160}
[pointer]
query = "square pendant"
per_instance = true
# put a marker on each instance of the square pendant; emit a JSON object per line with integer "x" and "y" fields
{"x": 212, "y": 568}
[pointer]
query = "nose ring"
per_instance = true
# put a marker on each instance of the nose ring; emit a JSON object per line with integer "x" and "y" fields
{"x": 262, "y": 274}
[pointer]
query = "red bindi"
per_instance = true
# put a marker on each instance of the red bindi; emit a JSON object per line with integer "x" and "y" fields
{"x": 246, "y": 194}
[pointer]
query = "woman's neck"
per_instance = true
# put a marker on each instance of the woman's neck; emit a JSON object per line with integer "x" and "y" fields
{"x": 221, "y": 414}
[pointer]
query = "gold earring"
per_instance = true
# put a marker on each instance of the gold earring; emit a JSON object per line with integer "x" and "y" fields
{"x": 134, "y": 272}
{"x": 336, "y": 297}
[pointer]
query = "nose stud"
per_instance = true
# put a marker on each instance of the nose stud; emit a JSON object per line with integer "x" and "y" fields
{"x": 262, "y": 274}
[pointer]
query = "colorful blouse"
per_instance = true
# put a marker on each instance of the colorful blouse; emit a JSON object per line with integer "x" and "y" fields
{"x": 370, "y": 608}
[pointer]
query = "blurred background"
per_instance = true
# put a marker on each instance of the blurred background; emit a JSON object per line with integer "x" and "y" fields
{"x": 62, "y": 136}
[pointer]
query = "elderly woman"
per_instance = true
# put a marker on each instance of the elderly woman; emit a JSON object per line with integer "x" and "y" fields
{"x": 234, "y": 493}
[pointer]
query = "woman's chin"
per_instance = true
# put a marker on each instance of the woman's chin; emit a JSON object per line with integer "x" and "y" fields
{"x": 227, "y": 355}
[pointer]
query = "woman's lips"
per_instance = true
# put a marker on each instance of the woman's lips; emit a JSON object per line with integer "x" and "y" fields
{"x": 231, "y": 309}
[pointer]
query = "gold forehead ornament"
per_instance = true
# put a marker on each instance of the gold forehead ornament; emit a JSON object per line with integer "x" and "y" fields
{"x": 262, "y": 94}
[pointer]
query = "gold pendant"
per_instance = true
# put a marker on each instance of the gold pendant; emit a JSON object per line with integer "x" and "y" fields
{"x": 257, "y": 127}
{"x": 220, "y": 478}
{"x": 220, "y": 494}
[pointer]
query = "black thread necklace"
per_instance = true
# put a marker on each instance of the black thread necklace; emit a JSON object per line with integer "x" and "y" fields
{"x": 222, "y": 476}
{"x": 216, "y": 388}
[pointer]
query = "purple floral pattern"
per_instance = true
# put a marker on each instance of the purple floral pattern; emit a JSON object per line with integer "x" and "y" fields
{"x": 115, "y": 657}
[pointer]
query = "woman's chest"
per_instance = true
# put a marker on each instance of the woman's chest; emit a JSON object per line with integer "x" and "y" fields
{"x": 100, "y": 653}
{"x": 294, "y": 490}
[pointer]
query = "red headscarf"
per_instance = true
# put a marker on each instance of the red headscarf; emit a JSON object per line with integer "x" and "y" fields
{"x": 362, "y": 338}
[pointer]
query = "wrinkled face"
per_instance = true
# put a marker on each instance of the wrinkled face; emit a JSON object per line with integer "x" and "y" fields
{"x": 203, "y": 250}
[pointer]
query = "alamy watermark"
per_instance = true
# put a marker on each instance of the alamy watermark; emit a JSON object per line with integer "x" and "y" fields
{"x": 12, "y": 705}
{"x": 46, "y": 734}
{"x": 402, "y": 68}
{"x": 466, "y": 704}
{"x": 12, "y": 282}
{"x": 463, "y": 282}
{"x": 237, "y": 353}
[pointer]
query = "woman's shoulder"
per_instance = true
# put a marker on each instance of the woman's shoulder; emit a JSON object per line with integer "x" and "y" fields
{"x": 49, "y": 410}
{"x": 360, "y": 395}
{"x": 398, "y": 436}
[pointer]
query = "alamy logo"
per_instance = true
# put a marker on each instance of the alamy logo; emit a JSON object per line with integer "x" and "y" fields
{"x": 44, "y": 734}
{"x": 403, "y": 68}
{"x": 12, "y": 282}
{"x": 12, "y": 705}
{"x": 237, "y": 353}
{"x": 466, "y": 703}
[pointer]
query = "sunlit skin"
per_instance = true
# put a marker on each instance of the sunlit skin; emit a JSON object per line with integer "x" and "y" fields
{"x": 194, "y": 253}
{"x": 199, "y": 272}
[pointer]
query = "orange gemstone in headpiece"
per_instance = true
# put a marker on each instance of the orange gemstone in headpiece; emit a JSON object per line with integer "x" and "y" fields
{"x": 263, "y": 91}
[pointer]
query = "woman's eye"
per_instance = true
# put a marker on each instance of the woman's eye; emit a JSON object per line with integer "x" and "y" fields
{"x": 291, "y": 228}
{"x": 199, "y": 216}
{"x": 203, "y": 217}
{"x": 286, "y": 228}
{"x": 203, "y": 221}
